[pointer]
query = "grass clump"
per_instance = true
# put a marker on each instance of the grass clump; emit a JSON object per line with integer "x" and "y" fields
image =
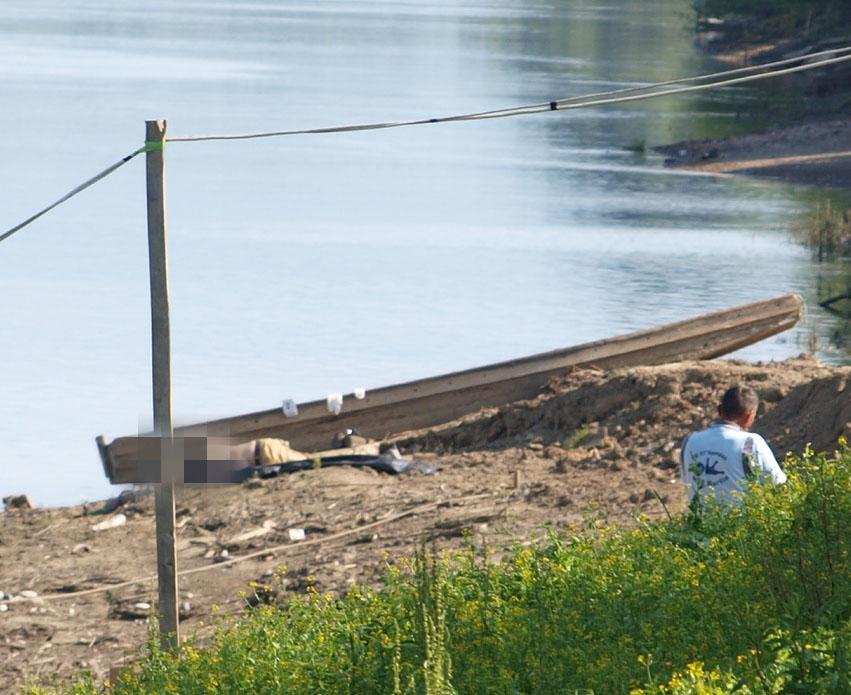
{"x": 575, "y": 438}
{"x": 750, "y": 600}
{"x": 827, "y": 231}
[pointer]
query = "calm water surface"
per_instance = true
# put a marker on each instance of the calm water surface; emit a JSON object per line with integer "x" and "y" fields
{"x": 311, "y": 265}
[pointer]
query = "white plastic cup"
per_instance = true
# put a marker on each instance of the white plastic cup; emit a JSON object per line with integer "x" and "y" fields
{"x": 334, "y": 403}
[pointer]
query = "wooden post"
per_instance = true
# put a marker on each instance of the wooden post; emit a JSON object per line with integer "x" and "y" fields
{"x": 161, "y": 361}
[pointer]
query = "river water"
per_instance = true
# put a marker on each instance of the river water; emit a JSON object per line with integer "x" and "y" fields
{"x": 310, "y": 265}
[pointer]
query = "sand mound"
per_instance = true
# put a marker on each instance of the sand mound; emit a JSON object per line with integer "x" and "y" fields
{"x": 643, "y": 413}
{"x": 817, "y": 412}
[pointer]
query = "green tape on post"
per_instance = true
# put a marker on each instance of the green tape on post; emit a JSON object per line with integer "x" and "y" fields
{"x": 154, "y": 146}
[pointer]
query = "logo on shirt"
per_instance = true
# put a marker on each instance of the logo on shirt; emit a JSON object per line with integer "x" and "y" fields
{"x": 710, "y": 468}
{"x": 705, "y": 468}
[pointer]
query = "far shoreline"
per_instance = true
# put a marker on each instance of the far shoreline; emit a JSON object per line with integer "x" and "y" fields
{"x": 814, "y": 147}
{"x": 815, "y": 153}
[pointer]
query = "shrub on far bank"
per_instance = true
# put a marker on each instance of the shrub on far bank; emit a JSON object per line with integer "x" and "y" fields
{"x": 752, "y": 600}
{"x": 780, "y": 16}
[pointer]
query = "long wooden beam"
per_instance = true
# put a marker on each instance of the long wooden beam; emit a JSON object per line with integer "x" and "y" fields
{"x": 439, "y": 399}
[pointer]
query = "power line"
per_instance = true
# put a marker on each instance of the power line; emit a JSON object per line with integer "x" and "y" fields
{"x": 619, "y": 96}
{"x": 695, "y": 78}
{"x": 564, "y": 104}
{"x": 79, "y": 189}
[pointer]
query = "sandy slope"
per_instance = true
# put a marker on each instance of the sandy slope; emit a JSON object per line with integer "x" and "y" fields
{"x": 505, "y": 475}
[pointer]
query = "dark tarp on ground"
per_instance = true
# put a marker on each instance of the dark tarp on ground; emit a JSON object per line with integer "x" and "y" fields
{"x": 195, "y": 472}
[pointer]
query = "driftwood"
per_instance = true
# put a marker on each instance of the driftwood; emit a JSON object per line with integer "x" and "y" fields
{"x": 828, "y": 304}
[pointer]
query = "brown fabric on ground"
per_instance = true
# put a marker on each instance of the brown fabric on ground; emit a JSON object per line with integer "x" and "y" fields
{"x": 272, "y": 451}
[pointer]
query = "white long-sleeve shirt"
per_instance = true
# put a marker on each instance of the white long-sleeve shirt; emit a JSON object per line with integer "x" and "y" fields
{"x": 723, "y": 458}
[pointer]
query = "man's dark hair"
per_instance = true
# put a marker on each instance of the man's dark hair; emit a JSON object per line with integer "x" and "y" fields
{"x": 737, "y": 401}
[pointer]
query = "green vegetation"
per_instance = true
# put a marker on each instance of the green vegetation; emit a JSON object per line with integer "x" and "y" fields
{"x": 827, "y": 230}
{"x": 637, "y": 146}
{"x": 781, "y": 16}
{"x": 575, "y": 438}
{"x": 756, "y": 600}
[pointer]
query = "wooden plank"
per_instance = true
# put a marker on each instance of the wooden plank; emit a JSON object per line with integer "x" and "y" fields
{"x": 439, "y": 399}
{"x": 105, "y": 455}
{"x": 161, "y": 381}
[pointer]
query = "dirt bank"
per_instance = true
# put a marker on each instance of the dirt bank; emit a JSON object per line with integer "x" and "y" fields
{"x": 818, "y": 153}
{"x": 595, "y": 445}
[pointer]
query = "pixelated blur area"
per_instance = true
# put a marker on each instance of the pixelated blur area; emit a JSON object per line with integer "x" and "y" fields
{"x": 192, "y": 460}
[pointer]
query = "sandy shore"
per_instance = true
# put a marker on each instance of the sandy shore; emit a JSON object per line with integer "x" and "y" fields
{"x": 595, "y": 445}
{"x": 816, "y": 154}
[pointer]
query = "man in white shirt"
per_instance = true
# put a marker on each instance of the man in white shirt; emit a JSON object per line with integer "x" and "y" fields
{"x": 720, "y": 460}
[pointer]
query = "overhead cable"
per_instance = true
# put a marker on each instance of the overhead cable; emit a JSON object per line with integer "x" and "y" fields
{"x": 545, "y": 106}
{"x": 79, "y": 189}
{"x": 563, "y": 104}
{"x": 618, "y": 96}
